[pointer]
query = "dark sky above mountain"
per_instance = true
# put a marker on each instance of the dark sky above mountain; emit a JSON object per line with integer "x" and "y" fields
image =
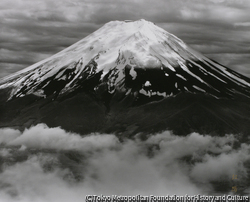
{"x": 32, "y": 30}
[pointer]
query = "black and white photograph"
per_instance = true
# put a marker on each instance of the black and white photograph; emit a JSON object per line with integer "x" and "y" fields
{"x": 124, "y": 100}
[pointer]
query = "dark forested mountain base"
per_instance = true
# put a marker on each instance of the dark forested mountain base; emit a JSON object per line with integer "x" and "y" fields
{"x": 85, "y": 112}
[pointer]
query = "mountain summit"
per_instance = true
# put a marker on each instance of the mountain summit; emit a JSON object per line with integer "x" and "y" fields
{"x": 128, "y": 76}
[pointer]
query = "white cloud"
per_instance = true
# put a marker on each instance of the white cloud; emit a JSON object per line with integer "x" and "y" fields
{"x": 49, "y": 164}
{"x": 222, "y": 167}
{"x": 31, "y": 184}
{"x": 42, "y": 137}
{"x": 7, "y": 135}
{"x": 243, "y": 24}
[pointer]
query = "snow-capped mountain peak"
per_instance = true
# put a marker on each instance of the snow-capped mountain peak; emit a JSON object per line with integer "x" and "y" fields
{"x": 128, "y": 77}
{"x": 122, "y": 55}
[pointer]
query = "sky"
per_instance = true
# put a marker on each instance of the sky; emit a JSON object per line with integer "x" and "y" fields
{"x": 32, "y": 30}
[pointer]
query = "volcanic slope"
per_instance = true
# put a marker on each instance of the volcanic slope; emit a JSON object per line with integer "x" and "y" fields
{"x": 128, "y": 77}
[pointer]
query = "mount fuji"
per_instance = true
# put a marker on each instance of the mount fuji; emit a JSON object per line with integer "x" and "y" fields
{"x": 128, "y": 77}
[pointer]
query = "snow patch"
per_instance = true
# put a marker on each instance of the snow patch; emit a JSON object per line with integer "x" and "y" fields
{"x": 147, "y": 84}
{"x": 142, "y": 91}
{"x": 184, "y": 67}
{"x": 186, "y": 88}
{"x": 133, "y": 73}
{"x": 181, "y": 77}
{"x": 198, "y": 88}
{"x": 164, "y": 94}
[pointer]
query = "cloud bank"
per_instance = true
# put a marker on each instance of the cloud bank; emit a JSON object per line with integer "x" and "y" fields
{"x": 49, "y": 164}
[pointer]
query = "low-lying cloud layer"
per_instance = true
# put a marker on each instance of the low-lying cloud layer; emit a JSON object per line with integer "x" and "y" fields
{"x": 32, "y": 30}
{"x": 49, "y": 164}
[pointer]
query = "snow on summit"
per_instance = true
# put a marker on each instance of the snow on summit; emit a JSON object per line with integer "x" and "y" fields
{"x": 109, "y": 51}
